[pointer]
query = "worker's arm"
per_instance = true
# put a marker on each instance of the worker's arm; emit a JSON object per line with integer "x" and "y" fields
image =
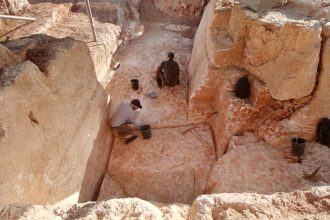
{"x": 160, "y": 68}
{"x": 132, "y": 118}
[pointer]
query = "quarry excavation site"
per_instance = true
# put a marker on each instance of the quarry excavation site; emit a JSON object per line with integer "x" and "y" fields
{"x": 245, "y": 134}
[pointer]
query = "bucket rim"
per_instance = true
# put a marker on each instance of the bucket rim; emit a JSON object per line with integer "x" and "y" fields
{"x": 298, "y": 140}
{"x": 145, "y": 127}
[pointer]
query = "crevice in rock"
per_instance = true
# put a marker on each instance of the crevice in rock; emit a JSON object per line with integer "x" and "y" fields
{"x": 97, "y": 194}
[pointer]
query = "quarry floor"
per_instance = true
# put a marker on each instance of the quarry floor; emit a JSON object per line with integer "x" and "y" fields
{"x": 151, "y": 169}
{"x": 175, "y": 164}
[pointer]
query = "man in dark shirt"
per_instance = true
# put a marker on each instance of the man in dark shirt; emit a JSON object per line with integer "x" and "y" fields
{"x": 168, "y": 72}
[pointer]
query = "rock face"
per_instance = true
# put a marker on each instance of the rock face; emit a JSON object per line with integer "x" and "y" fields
{"x": 49, "y": 121}
{"x": 254, "y": 166}
{"x": 97, "y": 163}
{"x": 257, "y": 45}
{"x": 304, "y": 121}
{"x": 281, "y": 57}
{"x": 312, "y": 204}
{"x": 186, "y": 11}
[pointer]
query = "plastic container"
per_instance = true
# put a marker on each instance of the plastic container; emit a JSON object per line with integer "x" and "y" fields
{"x": 298, "y": 146}
{"x": 145, "y": 131}
{"x": 135, "y": 84}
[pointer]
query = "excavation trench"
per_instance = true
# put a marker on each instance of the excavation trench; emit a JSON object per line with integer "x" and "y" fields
{"x": 172, "y": 166}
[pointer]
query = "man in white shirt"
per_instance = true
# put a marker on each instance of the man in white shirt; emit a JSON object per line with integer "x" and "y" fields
{"x": 123, "y": 121}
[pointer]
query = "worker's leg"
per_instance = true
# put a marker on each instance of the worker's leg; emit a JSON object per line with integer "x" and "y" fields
{"x": 124, "y": 130}
{"x": 160, "y": 78}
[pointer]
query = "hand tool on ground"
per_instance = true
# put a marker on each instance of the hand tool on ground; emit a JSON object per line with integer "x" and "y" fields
{"x": 188, "y": 129}
{"x": 116, "y": 64}
{"x": 130, "y": 139}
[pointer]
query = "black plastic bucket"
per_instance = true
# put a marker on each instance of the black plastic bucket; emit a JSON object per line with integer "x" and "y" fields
{"x": 135, "y": 84}
{"x": 145, "y": 131}
{"x": 298, "y": 146}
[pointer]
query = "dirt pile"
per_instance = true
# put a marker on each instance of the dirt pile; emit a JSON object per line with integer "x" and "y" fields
{"x": 47, "y": 119}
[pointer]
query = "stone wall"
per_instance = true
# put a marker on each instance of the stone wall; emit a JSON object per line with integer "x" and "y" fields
{"x": 51, "y": 110}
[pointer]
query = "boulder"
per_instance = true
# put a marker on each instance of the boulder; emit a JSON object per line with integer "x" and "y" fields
{"x": 281, "y": 62}
{"x": 48, "y": 117}
{"x": 269, "y": 47}
{"x": 303, "y": 121}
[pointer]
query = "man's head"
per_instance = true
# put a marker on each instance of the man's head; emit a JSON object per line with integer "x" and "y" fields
{"x": 135, "y": 103}
{"x": 170, "y": 55}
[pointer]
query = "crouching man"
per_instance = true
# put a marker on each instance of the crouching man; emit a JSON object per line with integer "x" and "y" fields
{"x": 123, "y": 121}
{"x": 167, "y": 73}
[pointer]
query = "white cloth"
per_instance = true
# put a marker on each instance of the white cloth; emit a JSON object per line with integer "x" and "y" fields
{"x": 124, "y": 114}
